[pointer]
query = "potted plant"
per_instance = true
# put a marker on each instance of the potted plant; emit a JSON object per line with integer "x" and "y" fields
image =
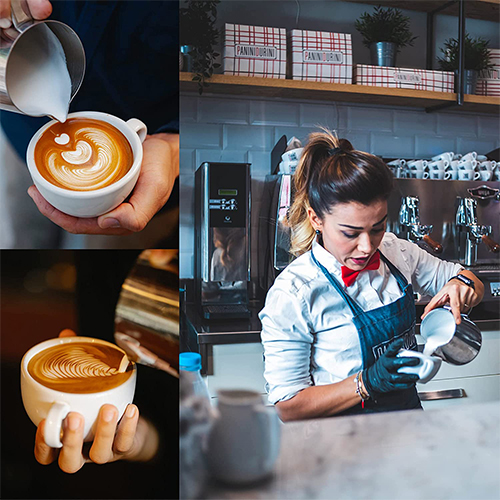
{"x": 477, "y": 58}
{"x": 198, "y": 37}
{"x": 385, "y": 33}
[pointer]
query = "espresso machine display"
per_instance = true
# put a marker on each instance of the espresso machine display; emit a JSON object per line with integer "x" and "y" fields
{"x": 222, "y": 213}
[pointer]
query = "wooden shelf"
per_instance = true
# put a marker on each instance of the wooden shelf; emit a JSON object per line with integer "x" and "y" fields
{"x": 487, "y": 10}
{"x": 361, "y": 94}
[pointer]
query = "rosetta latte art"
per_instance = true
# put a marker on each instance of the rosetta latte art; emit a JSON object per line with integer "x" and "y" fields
{"x": 79, "y": 367}
{"x": 93, "y": 155}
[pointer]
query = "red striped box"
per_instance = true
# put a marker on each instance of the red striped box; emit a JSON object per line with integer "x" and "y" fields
{"x": 320, "y": 56}
{"x": 255, "y": 51}
{"x": 403, "y": 78}
{"x": 488, "y": 82}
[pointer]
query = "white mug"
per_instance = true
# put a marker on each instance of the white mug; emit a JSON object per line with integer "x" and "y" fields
{"x": 481, "y": 158}
{"x": 467, "y": 165}
{"x": 453, "y": 165}
{"x": 417, "y": 164}
{"x": 245, "y": 438}
{"x": 496, "y": 174}
{"x": 292, "y": 156}
{"x": 486, "y": 175}
{"x": 469, "y": 156}
{"x": 444, "y": 156}
{"x": 439, "y": 165}
{"x": 487, "y": 165}
{"x": 436, "y": 174}
{"x": 426, "y": 369}
{"x": 98, "y": 201}
{"x": 418, "y": 174}
{"x": 451, "y": 175}
{"x": 41, "y": 402}
{"x": 468, "y": 175}
{"x": 400, "y": 162}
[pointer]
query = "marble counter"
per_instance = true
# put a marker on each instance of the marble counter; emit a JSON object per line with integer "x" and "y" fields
{"x": 441, "y": 454}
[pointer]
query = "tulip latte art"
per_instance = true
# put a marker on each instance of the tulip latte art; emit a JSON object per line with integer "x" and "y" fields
{"x": 79, "y": 367}
{"x": 83, "y": 154}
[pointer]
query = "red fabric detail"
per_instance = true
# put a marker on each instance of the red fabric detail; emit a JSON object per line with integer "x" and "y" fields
{"x": 349, "y": 276}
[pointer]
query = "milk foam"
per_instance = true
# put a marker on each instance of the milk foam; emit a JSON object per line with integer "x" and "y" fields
{"x": 38, "y": 77}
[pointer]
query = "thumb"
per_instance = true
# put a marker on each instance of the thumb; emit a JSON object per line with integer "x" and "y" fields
{"x": 125, "y": 216}
{"x": 393, "y": 349}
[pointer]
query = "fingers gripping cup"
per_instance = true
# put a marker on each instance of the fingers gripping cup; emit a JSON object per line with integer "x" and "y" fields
{"x": 88, "y": 165}
{"x": 77, "y": 374}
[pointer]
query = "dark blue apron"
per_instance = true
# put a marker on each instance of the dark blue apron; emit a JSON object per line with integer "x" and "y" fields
{"x": 376, "y": 330}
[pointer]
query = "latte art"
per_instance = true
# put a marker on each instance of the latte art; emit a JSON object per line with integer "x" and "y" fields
{"x": 83, "y": 154}
{"x": 81, "y": 367}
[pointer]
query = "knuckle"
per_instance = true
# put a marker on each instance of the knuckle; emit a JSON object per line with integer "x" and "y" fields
{"x": 97, "y": 456}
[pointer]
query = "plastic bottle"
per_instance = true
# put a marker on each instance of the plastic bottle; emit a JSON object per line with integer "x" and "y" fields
{"x": 191, "y": 379}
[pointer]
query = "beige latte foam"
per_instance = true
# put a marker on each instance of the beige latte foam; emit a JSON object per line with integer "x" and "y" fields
{"x": 83, "y": 154}
{"x": 79, "y": 367}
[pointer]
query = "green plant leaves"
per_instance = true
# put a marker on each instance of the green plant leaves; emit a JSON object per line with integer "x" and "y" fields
{"x": 477, "y": 54}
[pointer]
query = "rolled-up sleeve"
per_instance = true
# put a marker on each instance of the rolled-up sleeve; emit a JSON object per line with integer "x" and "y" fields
{"x": 287, "y": 340}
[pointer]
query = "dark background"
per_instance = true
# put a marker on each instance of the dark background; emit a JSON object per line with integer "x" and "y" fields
{"x": 44, "y": 292}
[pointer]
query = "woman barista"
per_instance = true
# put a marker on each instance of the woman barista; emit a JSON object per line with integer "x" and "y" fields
{"x": 336, "y": 317}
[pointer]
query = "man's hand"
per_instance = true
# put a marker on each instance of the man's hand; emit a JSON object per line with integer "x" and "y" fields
{"x": 160, "y": 168}
{"x": 38, "y": 9}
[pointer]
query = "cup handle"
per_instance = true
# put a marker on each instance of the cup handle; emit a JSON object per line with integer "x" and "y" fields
{"x": 477, "y": 176}
{"x": 138, "y": 127}
{"x": 53, "y": 424}
{"x": 271, "y": 431}
{"x": 425, "y": 175}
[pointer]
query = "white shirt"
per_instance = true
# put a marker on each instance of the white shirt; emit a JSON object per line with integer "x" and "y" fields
{"x": 307, "y": 330}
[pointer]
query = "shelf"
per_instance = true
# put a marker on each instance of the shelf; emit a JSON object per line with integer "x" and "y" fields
{"x": 487, "y": 10}
{"x": 360, "y": 94}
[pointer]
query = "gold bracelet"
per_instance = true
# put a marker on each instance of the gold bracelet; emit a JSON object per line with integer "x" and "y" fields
{"x": 359, "y": 391}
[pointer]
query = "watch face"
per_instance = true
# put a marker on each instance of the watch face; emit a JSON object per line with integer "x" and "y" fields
{"x": 465, "y": 280}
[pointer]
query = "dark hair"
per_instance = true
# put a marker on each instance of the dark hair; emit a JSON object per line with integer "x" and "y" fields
{"x": 331, "y": 171}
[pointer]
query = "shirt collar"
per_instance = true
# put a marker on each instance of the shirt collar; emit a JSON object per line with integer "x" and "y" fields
{"x": 324, "y": 257}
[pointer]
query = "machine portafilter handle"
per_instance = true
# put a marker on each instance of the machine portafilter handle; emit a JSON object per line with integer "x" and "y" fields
{"x": 409, "y": 218}
{"x": 492, "y": 245}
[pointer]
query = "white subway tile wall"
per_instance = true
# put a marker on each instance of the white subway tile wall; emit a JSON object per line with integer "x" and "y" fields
{"x": 239, "y": 129}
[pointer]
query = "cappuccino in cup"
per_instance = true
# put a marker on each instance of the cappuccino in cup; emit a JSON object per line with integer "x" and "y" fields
{"x": 77, "y": 374}
{"x": 80, "y": 367}
{"x": 83, "y": 154}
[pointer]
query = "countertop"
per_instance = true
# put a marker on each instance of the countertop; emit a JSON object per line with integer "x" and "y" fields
{"x": 440, "y": 454}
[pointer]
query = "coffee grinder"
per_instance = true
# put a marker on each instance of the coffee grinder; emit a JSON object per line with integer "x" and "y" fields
{"x": 222, "y": 240}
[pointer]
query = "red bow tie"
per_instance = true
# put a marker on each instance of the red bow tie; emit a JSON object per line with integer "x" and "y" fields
{"x": 349, "y": 276}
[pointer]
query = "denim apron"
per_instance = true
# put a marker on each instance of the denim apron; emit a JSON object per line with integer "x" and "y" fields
{"x": 376, "y": 330}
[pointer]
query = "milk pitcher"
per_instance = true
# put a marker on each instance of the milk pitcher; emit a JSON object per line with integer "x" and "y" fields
{"x": 20, "y": 66}
{"x": 245, "y": 438}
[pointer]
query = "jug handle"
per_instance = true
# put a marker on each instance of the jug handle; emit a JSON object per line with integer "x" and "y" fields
{"x": 270, "y": 424}
{"x": 20, "y": 18}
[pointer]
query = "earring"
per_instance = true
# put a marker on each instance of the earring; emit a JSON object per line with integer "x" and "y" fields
{"x": 318, "y": 232}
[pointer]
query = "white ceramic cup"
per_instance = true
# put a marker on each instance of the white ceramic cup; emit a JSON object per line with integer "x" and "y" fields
{"x": 41, "y": 402}
{"x": 438, "y": 165}
{"x": 496, "y": 174}
{"x": 436, "y": 174}
{"x": 467, "y": 165}
{"x": 426, "y": 369}
{"x": 400, "y": 162}
{"x": 486, "y": 175}
{"x": 468, "y": 175}
{"x": 487, "y": 165}
{"x": 418, "y": 174}
{"x": 451, "y": 175}
{"x": 453, "y": 165}
{"x": 469, "y": 156}
{"x": 444, "y": 156}
{"x": 99, "y": 201}
{"x": 245, "y": 439}
{"x": 417, "y": 164}
{"x": 292, "y": 156}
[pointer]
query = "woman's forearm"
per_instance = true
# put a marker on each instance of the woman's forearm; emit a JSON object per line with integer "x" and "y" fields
{"x": 320, "y": 401}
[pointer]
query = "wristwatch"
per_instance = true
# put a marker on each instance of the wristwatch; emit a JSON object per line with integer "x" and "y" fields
{"x": 464, "y": 280}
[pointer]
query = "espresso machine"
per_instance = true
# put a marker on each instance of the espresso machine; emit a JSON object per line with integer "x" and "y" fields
{"x": 222, "y": 242}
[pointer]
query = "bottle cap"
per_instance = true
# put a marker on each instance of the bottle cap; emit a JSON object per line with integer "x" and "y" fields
{"x": 190, "y": 361}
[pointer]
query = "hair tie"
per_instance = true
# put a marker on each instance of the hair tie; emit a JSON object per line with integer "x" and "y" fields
{"x": 334, "y": 151}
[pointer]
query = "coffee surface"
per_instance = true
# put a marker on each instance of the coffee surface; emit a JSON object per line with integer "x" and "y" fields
{"x": 83, "y": 154}
{"x": 79, "y": 367}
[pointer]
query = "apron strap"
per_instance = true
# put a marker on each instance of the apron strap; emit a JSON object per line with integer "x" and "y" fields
{"x": 400, "y": 278}
{"x": 353, "y": 306}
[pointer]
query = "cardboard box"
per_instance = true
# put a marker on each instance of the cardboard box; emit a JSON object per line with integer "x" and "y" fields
{"x": 255, "y": 51}
{"x": 404, "y": 78}
{"x": 488, "y": 82}
{"x": 321, "y": 56}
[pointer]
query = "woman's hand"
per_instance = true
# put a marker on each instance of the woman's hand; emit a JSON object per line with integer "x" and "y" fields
{"x": 458, "y": 295}
{"x": 160, "y": 168}
{"x": 38, "y": 9}
{"x": 133, "y": 438}
{"x": 383, "y": 376}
